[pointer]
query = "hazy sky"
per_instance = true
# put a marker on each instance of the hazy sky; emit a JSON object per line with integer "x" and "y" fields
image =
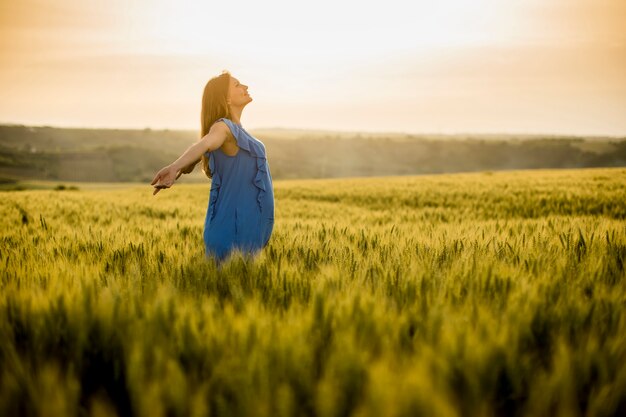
{"x": 537, "y": 66}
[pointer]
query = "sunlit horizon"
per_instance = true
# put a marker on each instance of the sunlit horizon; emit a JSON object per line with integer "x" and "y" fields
{"x": 451, "y": 67}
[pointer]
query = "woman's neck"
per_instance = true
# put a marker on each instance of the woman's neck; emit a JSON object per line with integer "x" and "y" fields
{"x": 235, "y": 115}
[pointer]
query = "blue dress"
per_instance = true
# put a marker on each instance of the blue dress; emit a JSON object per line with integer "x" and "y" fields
{"x": 241, "y": 202}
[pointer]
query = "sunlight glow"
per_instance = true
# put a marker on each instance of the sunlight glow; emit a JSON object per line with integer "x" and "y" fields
{"x": 445, "y": 66}
{"x": 324, "y": 27}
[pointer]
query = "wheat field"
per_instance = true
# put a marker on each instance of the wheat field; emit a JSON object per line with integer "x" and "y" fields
{"x": 479, "y": 294}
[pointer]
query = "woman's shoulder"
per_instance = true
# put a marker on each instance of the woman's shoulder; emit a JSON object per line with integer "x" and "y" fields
{"x": 228, "y": 127}
{"x": 244, "y": 139}
{"x": 226, "y": 121}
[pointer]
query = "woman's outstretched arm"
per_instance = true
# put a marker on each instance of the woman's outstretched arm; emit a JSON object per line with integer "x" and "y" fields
{"x": 188, "y": 169}
{"x": 211, "y": 141}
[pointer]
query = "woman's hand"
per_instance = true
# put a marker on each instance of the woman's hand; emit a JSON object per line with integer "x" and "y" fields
{"x": 165, "y": 178}
{"x": 187, "y": 161}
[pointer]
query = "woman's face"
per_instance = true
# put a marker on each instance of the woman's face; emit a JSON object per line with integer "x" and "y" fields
{"x": 238, "y": 93}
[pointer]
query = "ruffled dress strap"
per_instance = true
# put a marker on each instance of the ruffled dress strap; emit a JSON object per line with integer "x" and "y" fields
{"x": 255, "y": 148}
{"x": 216, "y": 183}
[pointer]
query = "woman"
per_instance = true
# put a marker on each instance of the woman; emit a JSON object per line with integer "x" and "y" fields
{"x": 240, "y": 214}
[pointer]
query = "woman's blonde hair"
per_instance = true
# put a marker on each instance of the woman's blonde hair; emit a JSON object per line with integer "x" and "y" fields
{"x": 214, "y": 106}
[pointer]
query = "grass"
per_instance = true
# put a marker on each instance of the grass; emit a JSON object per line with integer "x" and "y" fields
{"x": 484, "y": 294}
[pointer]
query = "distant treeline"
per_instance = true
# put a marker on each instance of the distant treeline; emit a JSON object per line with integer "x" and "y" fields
{"x": 110, "y": 155}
